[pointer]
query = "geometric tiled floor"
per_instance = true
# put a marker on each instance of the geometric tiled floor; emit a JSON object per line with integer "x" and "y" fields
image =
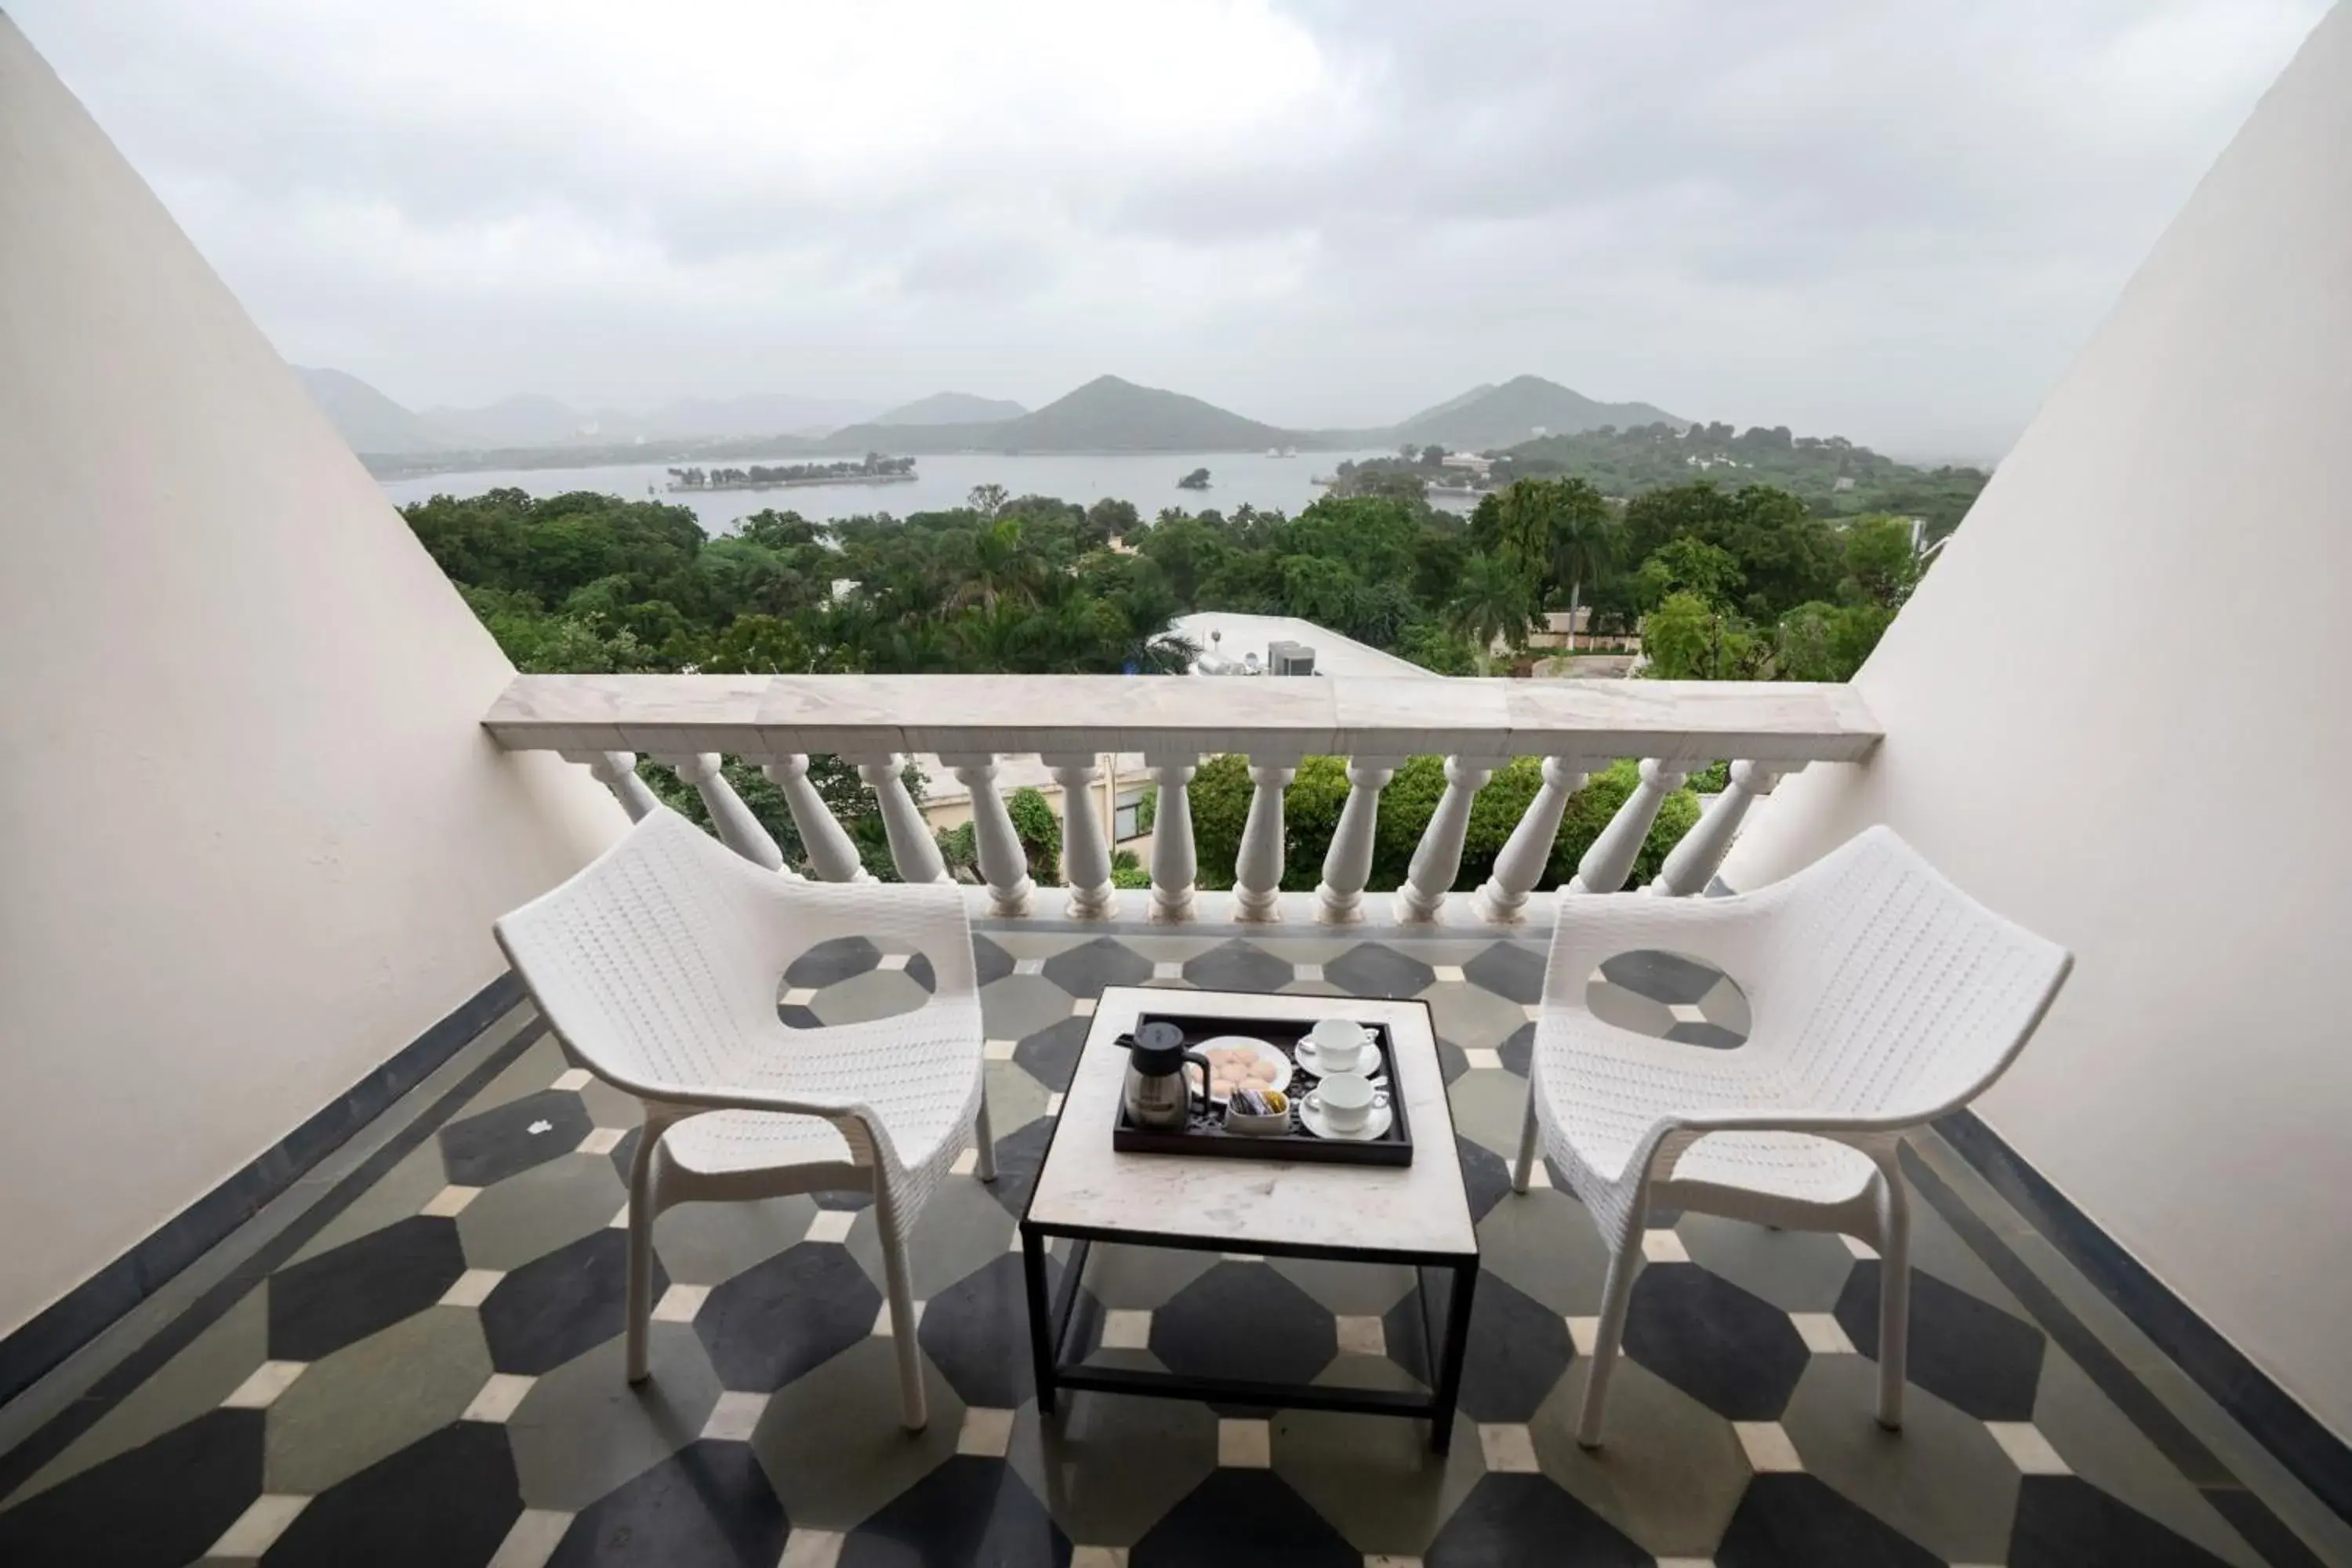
{"x": 430, "y": 1371}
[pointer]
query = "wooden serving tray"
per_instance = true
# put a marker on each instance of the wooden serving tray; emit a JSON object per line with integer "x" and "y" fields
{"x": 1205, "y": 1133}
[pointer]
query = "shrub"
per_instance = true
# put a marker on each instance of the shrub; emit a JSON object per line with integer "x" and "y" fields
{"x": 1127, "y": 871}
{"x": 1040, "y": 832}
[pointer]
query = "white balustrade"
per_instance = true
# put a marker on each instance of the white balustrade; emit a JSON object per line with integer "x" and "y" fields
{"x": 1348, "y": 863}
{"x": 1085, "y": 847}
{"x": 617, "y": 771}
{"x": 831, "y": 855}
{"x": 913, "y": 850}
{"x": 738, "y": 828}
{"x": 1502, "y": 899}
{"x": 1610, "y": 860}
{"x": 1004, "y": 863}
{"x": 1257, "y": 868}
{"x": 1694, "y": 861}
{"x": 1173, "y": 866}
{"x": 1438, "y": 858}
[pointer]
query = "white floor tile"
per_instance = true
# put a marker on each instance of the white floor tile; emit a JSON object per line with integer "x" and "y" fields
{"x": 473, "y": 1287}
{"x": 1766, "y": 1446}
{"x": 1448, "y": 973}
{"x": 265, "y": 1519}
{"x": 811, "y": 1549}
{"x": 1584, "y": 1333}
{"x": 2027, "y": 1449}
{"x": 602, "y": 1140}
{"x": 998, "y": 1050}
{"x": 263, "y": 1384}
{"x": 1685, "y": 1013}
{"x": 1126, "y": 1329}
{"x": 735, "y": 1417}
{"x": 1299, "y": 972}
{"x": 679, "y": 1303}
{"x": 1510, "y": 1448}
{"x": 1097, "y": 1557}
{"x": 1054, "y": 1105}
{"x": 895, "y": 961}
{"x": 965, "y": 1164}
{"x": 532, "y": 1539}
{"x": 987, "y": 1434}
{"x": 1166, "y": 970}
{"x": 832, "y": 1225}
{"x": 1028, "y": 966}
{"x": 1483, "y": 1057}
{"x": 499, "y": 1397}
{"x": 1858, "y": 1246}
{"x": 883, "y": 1328}
{"x": 1663, "y": 1247}
{"x": 1084, "y": 1007}
{"x": 1362, "y": 1336}
{"x": 1823, "y": 1333}
{"x": 449, "y": 1202}
{"x": 576, "y": 1079}
{"x": 1532, "y": 1011}
{"x": 1245, "y": 1445}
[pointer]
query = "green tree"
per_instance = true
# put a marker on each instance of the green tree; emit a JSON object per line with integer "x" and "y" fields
{"x": 1489, "y": 605}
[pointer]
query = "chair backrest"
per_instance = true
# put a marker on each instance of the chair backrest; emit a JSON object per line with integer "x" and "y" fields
{"x": 649, "y": 962}
{"x": 1889, "y": 991}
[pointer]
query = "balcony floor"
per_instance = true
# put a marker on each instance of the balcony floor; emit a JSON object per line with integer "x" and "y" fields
{"x": 416, "y": 1357}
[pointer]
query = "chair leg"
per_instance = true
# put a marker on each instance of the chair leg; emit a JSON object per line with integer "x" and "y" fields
{"x": 902, "y": 1309}
{"x": 984, "y": 1141}
{"x": 1894, "y": 1293}
{"x": 1529, "y": 1134}
{"x": 640, "y": 1294}
{"x": 1616, "y": 1296}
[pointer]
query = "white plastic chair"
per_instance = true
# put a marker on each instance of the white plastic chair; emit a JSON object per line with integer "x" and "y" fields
{"x": 1883, "y": 997}
{"x": 657, "y": 966}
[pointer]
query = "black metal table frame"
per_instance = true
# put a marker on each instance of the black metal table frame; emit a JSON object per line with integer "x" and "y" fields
{"x": 1050, "y": 1322}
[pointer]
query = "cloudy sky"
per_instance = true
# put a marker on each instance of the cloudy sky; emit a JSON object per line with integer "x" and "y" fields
{"x": 1891, "y": 221}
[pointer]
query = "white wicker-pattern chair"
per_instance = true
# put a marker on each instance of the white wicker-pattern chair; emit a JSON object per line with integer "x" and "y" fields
{"x": 1883, "y": 997}
{"x": 657, "y": 966}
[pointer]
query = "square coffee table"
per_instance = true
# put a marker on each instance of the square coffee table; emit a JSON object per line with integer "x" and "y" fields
{"x": 1417, "y": 1215}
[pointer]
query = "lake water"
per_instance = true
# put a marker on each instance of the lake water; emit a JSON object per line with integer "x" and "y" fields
{"x": 1283, "y": 484}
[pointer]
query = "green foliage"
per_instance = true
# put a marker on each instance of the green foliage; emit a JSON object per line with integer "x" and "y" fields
{"x": 1490, "y": 605}
{"x": 1040, "y": 832}
{"x": 1219, "y": 797}
{"x": 1687, "y": 638}
{"x": 1432, "y": 646}
{"x": 959, "y": 850}
{"x": 1685, "y": 564}
{"x": 1127, "y": 871}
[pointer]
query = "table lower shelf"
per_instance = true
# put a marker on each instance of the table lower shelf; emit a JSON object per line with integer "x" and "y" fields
{"x": 1052, "y": 1316}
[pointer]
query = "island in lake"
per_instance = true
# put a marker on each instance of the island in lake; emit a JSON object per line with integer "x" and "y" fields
{"x": 872, "y": 469}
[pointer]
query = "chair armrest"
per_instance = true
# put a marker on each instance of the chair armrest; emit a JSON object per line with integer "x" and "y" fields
{"x": 856, "y": 1119}
{"x": 1589, "y": 928}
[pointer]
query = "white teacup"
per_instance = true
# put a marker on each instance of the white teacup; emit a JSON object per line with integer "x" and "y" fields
{"x": 1346, "y": 1100}
{"x": 1338, "y": 1045}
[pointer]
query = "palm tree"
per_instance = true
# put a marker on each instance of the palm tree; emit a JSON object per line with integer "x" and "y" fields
{"x": 1489, "y": 603}
{"x": 1561, "y": 533}
{"x": 1000, "y": 565}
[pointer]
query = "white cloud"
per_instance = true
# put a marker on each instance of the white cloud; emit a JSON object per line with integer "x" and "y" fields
{"x": 1894, "y": 222}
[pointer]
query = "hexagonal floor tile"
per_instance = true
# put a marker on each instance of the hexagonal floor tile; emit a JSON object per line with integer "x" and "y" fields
{"x": 831, "y": 1445}
{"x": 1669, "y": 1472}
{"x": 709, "y": 1244}
{"x": 408, "y": 1187}
{"x": 1506, "y": 1514}
{"x": 1015, "y": 1099}
{"x": 969, "y": 1509}
{"x": 709, "y": 1502}
{"x": 547, "y": 1208}
{"x": 1734, "y": 1354}
{"x": 583, "y": 1428}
{"x": 1110, "y": 1467}
{"x": 961, "y": 1228}
{"x": 1143, "y": 1278}
{"x": 1544, "y": 1242}
{"x": 831, "y": 962}
{"x": 1086, "y": 969}
{"x": 782, "y": 1317}
{"x": 1514, "y": 970}
{"x": 371, "y": 1399}
{"x": 1486, "y": 1177}
{"x": 1376, "y": 969}
{"x": 1667, "y": 978}
{"x": 1942, "y": 1481}
{"x": 1020, "y": 1005}
{"x": 185, "y": 1487}
{"x": 1962, "y": 1349}
{"x": 1245, "y": 1320}
{"x": 1239, "y": 965}
{"x": 1473, "y": 1019}
{"x": 1518, "y": 1349}
{"x": 2064, "y": 1520}
{"x": 1018, "y": 1153}
{"x": 2100, "y": 1443}
{"x": 1243, "y": 1515}
{"x": 1796, "y": 1270}
{"x": 1358, "y": 1289}
{"x": 991, "y": 962}
{"x": 880, "y": 994}
{"x": 977, "y": 1330}
{"x": 1517, "y": 1050}
{"x": 463, "y": 1468}
{"x": 499, "y": 1142}
{"x": 1785, "y": 1519}
{"x": 326, "y": 1302}
{"x": 1051, "y": 1054}
{"x": 1329, "y": 1457}
{"x": 1491, "y": 1106}
{"x": 554, "y": 1308}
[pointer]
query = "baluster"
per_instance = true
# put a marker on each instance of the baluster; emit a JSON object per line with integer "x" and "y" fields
{"x": 1339, "y": 899}
{"x": 1003, "y": 861}
{"x": 1695, "y": 860}
{"x": 617, "y": 771}
{"x": 1504, "y": 897}
{"x": 1438, "y": 857}
{"x": 1086, "y": 850}
{"x": 1257, "y": 868}
{"x": 912, "y": 848}
{"x": 831, "y": 855}
{"x": 1172, "y": 851}
{"x": 1611, "y": 859}
{"x": 738, "y": 828}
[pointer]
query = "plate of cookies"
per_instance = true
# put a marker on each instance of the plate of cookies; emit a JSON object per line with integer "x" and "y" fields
{"x": 1240, "y": 1062}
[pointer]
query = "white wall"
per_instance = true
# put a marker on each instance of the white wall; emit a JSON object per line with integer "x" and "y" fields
{"x": 251, "y": 840}
{"x": 2117, "y": 710}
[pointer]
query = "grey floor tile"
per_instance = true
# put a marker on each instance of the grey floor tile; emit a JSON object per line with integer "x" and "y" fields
{"x": 1544, "y": 1243}
{"x": 1021, "y": 1004}
{"x": 1489, "y": 1108}
{"x": 878, "y": 994}
{"x": 584, "y": 1428}
{"x": 546, "y": 1207}
{"x": 961, "y": 1230}
{"x": 1110, "y": 1468}
{"x": 2100, "y": 1444}
{"x": 405, "y": 1189}
{"x": 832, "y": 1443}
{"x": 1942, "y": 1481}
{"x": 1669, "y": 1472}
{"x": 1472, "y": 1019}
{"x": 370, "y": 1400}
{"x": 708, "y": 1244}
{"x": 1357, "y": 1290}
{"x": 1375, "y": 1479}
{"x": 1796, "y": 1270}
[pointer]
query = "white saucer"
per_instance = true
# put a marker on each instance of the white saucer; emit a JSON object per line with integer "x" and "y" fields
{"x": 1310, "y": 1117}
{"x": 1367, "y": 1060}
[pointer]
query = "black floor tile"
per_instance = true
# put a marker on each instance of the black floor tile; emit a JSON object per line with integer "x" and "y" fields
{"x": 1051, "y": 1054}
{"x": 977, "y": 1332}
{"x": 1486, "y": 1177}
{"x": 1375, "y": 969}
{"x": 1239, "y": 965}
{"x": 554, "y": 1308}
{"x": 991, "y": 962}
{"x": 511, "y": 1138}
{"x": 1508, "y": 970}
{"x": 1086, "y": 969}
{"x": 831, "y": 962}
{"x": 1018, "y": 1153}
{"x": 2253, "y": 1518}
{"x": 1961, "y": 1350}
{"x": 161, "y": 1504}
{"x": 1796, "y": 1521}
{"x": 1734, "y": 1353}
{"x": 1509, "y": 1520}
{"x": 1661, "y": 976}
{"x": 341, "y": 1296}
{"x": 1238, "y": 1517}
{"x": 1517, "y": 1351}
{"x": 447, "y": 1498}
{"x": 1245, "y": 1320}
{"x": 2064, "y": 1521}
{"x": 709, "y": 1503}
{"x": 1518, "y": 1049}
{"x": 789, "y": 1315}
{"x": 967, "y": 1513}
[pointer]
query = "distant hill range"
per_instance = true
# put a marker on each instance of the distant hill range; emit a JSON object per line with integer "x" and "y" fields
{"x": 1106, "y": 415}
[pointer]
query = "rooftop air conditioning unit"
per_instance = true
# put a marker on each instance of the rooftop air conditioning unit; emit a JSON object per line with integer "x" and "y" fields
{"x": 1289, "y": 659}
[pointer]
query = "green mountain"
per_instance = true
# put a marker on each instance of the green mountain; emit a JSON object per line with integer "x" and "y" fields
{"x": 1106, "y": 415}
{"x": 1516, "y": 411}
{"x": 368, "y": 420}
{"x": 951, "y": 408}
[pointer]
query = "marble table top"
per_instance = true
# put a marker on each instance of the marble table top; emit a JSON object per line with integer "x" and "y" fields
{"x": 1252, "y": 1205}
